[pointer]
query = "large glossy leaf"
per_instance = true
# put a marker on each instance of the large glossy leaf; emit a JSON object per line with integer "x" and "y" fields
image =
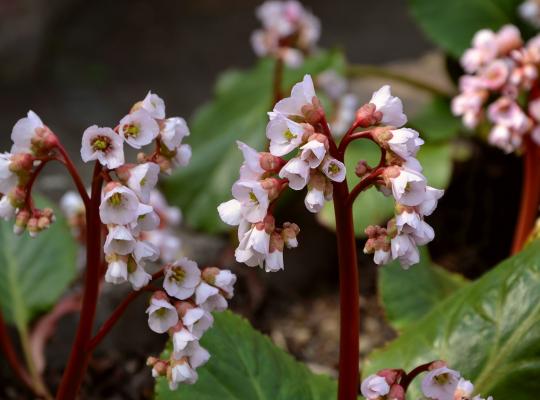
{"x": 452, "y": 24}
{"x": 238, "y": 112}
{"x": 489, "y": 331}
{"x": 371, "y": 207}
{"x": 34, "y": 272}
{"x": 244, "y": 364}
{"x": 408, "y": 295}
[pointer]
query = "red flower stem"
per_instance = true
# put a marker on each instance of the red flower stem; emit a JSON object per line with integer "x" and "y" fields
{"x": 30, "y": 184}
{"x": 351, "y": 136}
{"x": 349, "y": 335}
{"x": 530, "y": 195}
{"x": 7, "y": 347}
{"x": 118, "y": 312}
{"x": 406, "y": 381}
{"x": 78, "y": 359}
{"x": 74, "y": 174}
{"x": 363, "y": 185}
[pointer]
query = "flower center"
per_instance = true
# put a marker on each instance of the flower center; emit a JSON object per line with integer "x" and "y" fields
{"x": 161, "y": 312}
{"x": 115, "y": 200}
{"x": 178, "y": 275}
{"x": 253, "y": 198}
{"x": 143, "y": 181}
{"x": 333, "y": 169}
{"x": 101, "y": 143}
{"x": 442, "y": 379}
{"x": 131, "y": 265}
{"x": 289, "y": 135}
{"x": 131, "y": 130}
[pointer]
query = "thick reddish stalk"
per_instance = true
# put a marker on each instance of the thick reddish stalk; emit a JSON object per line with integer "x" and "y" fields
{"x": 11, "y": 355}
{"x": 74, "y": 174}
{"x": 530, "y": 195}
{"x": 78, "y": 359}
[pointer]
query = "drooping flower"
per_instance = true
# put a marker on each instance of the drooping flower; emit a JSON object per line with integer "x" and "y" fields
{"x": 173, "y": 132}
{"x": 161, "y": 314}
{"x": 181, "y": 278}
{"x": 120, "y": 206}
{"x": 142, "y": 180}
{"x": 374, "y": 387}
{"x": 154, "y": 105}
{"x": 440, "y": 383}
{"x": 23, "y": 132}
{"x": 390, "y": 106}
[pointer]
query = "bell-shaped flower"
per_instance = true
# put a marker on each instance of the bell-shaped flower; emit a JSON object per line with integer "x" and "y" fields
{"x": 117, "y": 270}
{"x": 440, "y": 383}
{"x": 405, "y": 142}
{"x": 230, "y": 212}
{"x": 120, "y": 206}
{"x": 313, "y": 152}
{"x": 254, "y": 246}
{"x": 138, "y": 128}
{"x": 333, "y": 169}
{"x": 181, "y": 337}
{"x": 104, "y": 145}
{"x": 404, "y": 249}
{"x": 181, "y": 278}
{"x": 374, "y": 387}
{"x": 296, "y": 171}
{"x": 182, "y": 372}
{"x": 154, "y": 105}
{"x": 408, "y": 187}
{"x": 254, "y": 199}
{"x": 314, "y": 200}
{"x": 182, "y": 156}
{"x": 172, "y": 133}
{"x": 142, "y": 180}
{"x": 382, "y": 257}
{"x": 285, "y": 135}
{"x": 390, "y": 106}
{"x": 274, "y": 258}
{"x": 464, "y": 390}
{"x": 119, "y": 240}
{"x": 23, "y": 132}
{"x": 422, "y": 234}
{"x": 7, "y": 211}
{"x": 147, "y": 220}
{"x": 8, "y": 179}
{"x": 225, "y": 281}
{"x": 137, "y": 275}
{"x": 251, "y": 168}
{"x": 429, "y": 203}
{"x": 197, "y": 321}
{"x": 209, "y": 298}
{"x": 302, "y": 94}
{"x": 161, "y": 314}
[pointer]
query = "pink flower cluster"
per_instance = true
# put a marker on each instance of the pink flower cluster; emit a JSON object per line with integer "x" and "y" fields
{"x": 439, "y": 383}
{"x": 501, "y": 87}
{"x": 293, "y": 127}
{"x": 183, "y": 311}
{"x": 289, "y": 31}
{"x": 33, "y": 144}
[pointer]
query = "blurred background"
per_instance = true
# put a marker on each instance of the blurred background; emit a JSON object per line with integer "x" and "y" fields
{"x": 78, "y": 63}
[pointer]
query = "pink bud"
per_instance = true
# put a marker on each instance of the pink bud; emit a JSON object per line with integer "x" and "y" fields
{"x": 396, "y": 393}
{"x": 209, "y": 274}
{"x": 362, "y": 168}
{"x": 182, "y": 307}
{"x": 271, "y": 163}
{"x": 160, "y": 295}
{"x": 367, "y": 116}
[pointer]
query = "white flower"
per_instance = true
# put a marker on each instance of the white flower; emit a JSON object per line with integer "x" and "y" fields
{"x": 181, "y": 278}
{"x": 209, "y": 298}
{"x": 409, "y": 187}
{"x": 407, "y": 221}
{"x": 161, "y": 315}
{"x": 382, "y": 257}
{"x": 529, "y": 10}
{"x": 334, "y": 169}
{"x": 314, "y": 200}
{"x": 119, "y": 206}
{"x": 119, "y": 241}
{"x": 422, "y": 234}
{"x": 390, "y": 107}
{"x": 181, "y": 339}
{"x": 182, "y": 156}
{"x": 154, "y": 105}
{"x": 182, "y": 372}
{"x": 296, "y": 171}
{"x": 104, "y": 145}
{"x": 138, "y": 128}
{"x": 284, "y": 135}
{"x": 254, "y": 199}
{"x": 117, "y": 271}
{"x": 196, "y": 354}
{"x": 464, "y": 390}
{"x": 440, "y": 383}
{"x": 313, "y": 153}
{"x": 230, "y": 212}
{"x": 404, "y": 249}
{"x": 501, "y": 136}
{"x": 225, "y": 280}
{"x": 71, "y": 204}
{"x": 302, "y": 94}
{"x": 7, "y": 211}
{"x": 23, "y": 132}
{"x": 137, "y": 276}
{"x": 253, "y": 247}
{"x": 142, "y": 179}
{"x": 8, "y": 180}
{"x": 147, "y": 220}
{"x": 374, "y": 387}
{"x": 173, "y": 132}
{"x": 430, "y": 201}
{"x": 197, "y": 321}
{"x": 274, "y": 261}
{"x": 251, "y": 168}
{"x": 405, "y": 142}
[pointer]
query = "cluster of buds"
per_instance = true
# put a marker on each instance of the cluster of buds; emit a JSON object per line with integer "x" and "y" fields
{"x": 345, "y": 103}
{"x": 33, "y": 144}
{"x": 289, "y": 31}
{"x": 529, "y": 10}
{"x": 501, "y": 87}
{"x": 126, "y": 207}
{"x": 183, "y": 311}
{"x": 439, "y": 383}
{"x": 294, "y": 125}
{"x": 402, "y": 179}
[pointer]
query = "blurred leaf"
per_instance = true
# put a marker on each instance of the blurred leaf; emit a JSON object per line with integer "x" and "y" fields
{"x": 245, "y": 364}
{"x": 452, "y": 24}
{"x": 408, "y": 295}
{"x": 436, "y": 122}
{"x": 238, "y": 112}
{"x": 371, "y": 207}
{"x": 34, "y": 272}
{"x": 489, "y": 331}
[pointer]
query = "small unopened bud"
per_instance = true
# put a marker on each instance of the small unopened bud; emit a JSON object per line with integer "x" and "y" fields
{"x": 160, "y": 295}
{"x": 17, "y": 196}
{"x": 141, "y": 157}
{"x": 124, "y": 171}
{"x": 437, "y": 364}
{"x": 151, "y": 361}
{"x": 367, "y": 115}
{"x": 21, "y": 221}
{"x": 32, "y": 227}
{"x": 271, "y": 163}
{"x": 382, "y": 135}
{"x": 272, "y": 186}
{"x": 269, "y": 223}
{"x": 182, "y": 307}
{"x": 164, "y": 164}
{"x": 396, "y": 393}
{"x": 21, "y": 162}
{"x": 289, "y": 233}
{"x": 313, "y": 113}
{"x": 391, "y": 375}
{"x": 43, "y": 223}
{"x": 160, "y": 368}
{"x": 43, "y": 141}
{"x": 362, "y": 168}
{"x": 209, "y": 274}
{"x": 276, "y": 242}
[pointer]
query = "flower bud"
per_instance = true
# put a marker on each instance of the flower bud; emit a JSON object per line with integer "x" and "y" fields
{"x": 209, "y": 274}
{"x": 391, "y": 375}
{"x": 362, "y": 168}
{"x": 289, "y": 233}
{"x": 21, "y": 163}
{"x": 313, "y": 113}
{"x": 160, "y": 295}
{"x": 396, "y": 393}
{"x": 182, "y": 307}
{"x": 32, "y": 227}
{"x": 271, "y": 163}
{"x": 43, "y": 223}
{"x": 367, "y": 116}
{"x": 21, "y": 221}
{"x": 276, "y": 242}
{"x": 269, "y": 224}
{"x": 124, "y": 171}
{"x": 17, "y": 196}
{"x": 273, "y": 186}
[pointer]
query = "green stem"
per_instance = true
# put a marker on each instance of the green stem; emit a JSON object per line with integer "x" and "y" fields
{"x": 360, "y": 71}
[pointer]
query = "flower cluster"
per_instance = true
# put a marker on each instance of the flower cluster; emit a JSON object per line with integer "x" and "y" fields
{"x": 130, "y": 208}
{"x": 529, "y": 10}
{"x": 183, "y": 311}
{"x": 500, "y": 87}
{"x": 439, "y": 383}
{"x": 401, "y": 178}
{"x": 294, "y": 126}
{"x": 289, "y": 31}
{"x": 33, "y": 145}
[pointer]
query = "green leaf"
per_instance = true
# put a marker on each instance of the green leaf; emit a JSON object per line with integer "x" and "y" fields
{"x": 245, "y": 364}
{"x": 436, "y": 121}
{"x": 238, "y": 112}
{"x": 489, "y": 331}
{"x": 371, "y": 207}
{"x": 408, "y": 295}
{"x": 34, "y": 272}
{"x": 452, "y": 24}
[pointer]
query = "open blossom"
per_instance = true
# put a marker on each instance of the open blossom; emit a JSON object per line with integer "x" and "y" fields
{"x": 181, "y": 278}
{"x": 173, "y": 132}
{"x": 440, "y": 383}
{"x": 161, "y": 314}
{"x": 284, "y": 134}
{"x": 8, "y": 180}
{"x": 23, "y": 132}
{"x": 408, "y": 187}
{"x": 197, "y": 321}
{"x": 302, "y": 94}
{"x": 117, "y": 270}
{"x": 119, "y": 241}
{"x": 390, "y": 106}
{"x": 154, "y": 105}
{"x": 405, "y": 142}
{"x": 138, "y": 128}
{"x": 374, "y": 387}
{"x": 209, "y": 298}
{"x": 104, "y": 145}
{"x": 296, "y": 171}
{"x": 120, "y": 205}
{"x": 142, "y": 180}
{"x": 253, "y": 198}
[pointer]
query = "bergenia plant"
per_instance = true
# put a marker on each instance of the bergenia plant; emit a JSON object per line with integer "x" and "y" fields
{"x": 302, "y": 154}
{"x": 125, "y": 224}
